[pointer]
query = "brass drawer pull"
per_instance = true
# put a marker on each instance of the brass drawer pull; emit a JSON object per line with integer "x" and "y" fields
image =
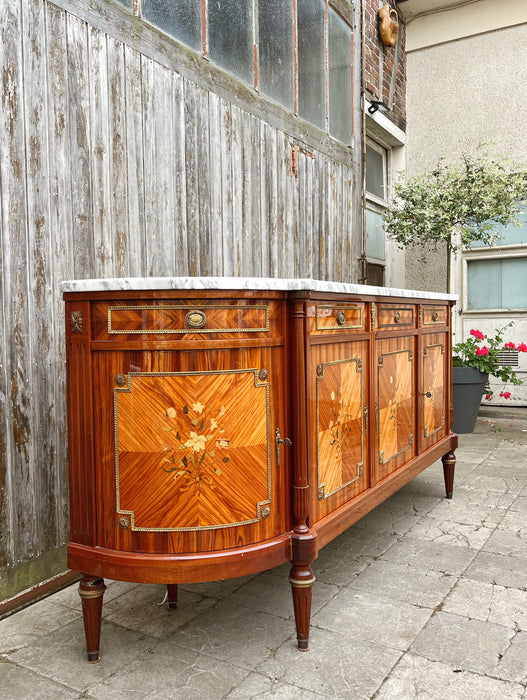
{"x": 195, "y": 319}
{"x": 397, "y": 316}
{"x": 341, "y": 318}
{"x": 435, "y": 316}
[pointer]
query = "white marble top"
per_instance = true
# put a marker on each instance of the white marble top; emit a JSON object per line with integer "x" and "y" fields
{"x": 243, "y": 283}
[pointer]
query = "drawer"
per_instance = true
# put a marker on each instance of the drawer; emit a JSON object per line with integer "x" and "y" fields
{"x": 173, "y": 320}
{"x": 434, "y": 315}
{"x": 337, "y": 318}
{"x": 393, "y": 317}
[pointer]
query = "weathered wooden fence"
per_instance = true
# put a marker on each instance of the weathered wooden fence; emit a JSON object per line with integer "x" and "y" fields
{"x": 122, "y": 154}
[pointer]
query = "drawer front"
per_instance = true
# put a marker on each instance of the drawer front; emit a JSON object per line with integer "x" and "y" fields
{"x": 174, "y": 320}
{"x": 336, "y": 318}
{"x": 393, "y": 317}
{"x": 434, "y": 315}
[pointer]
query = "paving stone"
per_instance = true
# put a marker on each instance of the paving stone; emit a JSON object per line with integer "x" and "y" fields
{"x": 520, "y": 504}
{"x": 515, "y": 520}
{"x": 488, "y": 602}
{"x": 470, "y": 645}
{"x": 415, "y": 677}
{"x": 270, "y": 592}
{"x": 449, "y": 532}
{"x": 508, "y": 542}
{"x": 166, "y": 671}
{"x": 429, "y": 555}
{"x": 18, "y": 683}
{"x": 259, "y": 686}
{"x": 373, "y": 618}
{"x": 140, "y": 609}
{"x": 338, "y": 666}
{"x": 348, "y": 555}
{"x": 498, "y": 568}
{"x": 513, "y": 665}
{"x": 61, "y": 655}
{"x": 235, "y": 634}
{"x": 405, "y": 583}
{"x": 494, "y": 483}
{"x": 38, "y": 620}
{"x": 69, "y": 597}
{"x": 217, "y": 589}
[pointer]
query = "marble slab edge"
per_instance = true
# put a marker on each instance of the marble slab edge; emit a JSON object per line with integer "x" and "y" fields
{"x": 244, "y": 283}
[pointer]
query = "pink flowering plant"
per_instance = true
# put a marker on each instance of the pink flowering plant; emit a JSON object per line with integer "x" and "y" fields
{"x": 482, "y": 352}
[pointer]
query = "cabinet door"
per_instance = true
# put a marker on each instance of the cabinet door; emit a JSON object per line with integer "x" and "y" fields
{"x": 394, "y": 403}
{"x": 338, "y": 423}
{"x": 433, "y": 395}
{"x": 185, "y": 459}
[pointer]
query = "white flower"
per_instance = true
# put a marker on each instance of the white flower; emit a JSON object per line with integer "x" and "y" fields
{"x": 197, "y": 442}
{"x": 198, "y": 407}
{"x": 213, "y": 424}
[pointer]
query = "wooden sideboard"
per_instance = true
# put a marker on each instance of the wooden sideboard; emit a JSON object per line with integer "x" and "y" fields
{"x": 216, "y": 433}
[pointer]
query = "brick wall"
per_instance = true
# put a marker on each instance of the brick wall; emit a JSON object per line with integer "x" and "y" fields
{"x": 384, "y": 66}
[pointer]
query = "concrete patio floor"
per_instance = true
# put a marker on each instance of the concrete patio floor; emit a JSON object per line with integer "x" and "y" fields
{"x": 422, "y": 598}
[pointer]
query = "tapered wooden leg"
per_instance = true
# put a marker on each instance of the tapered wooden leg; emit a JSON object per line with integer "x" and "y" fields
{"x": 91, "y": 591}
{"x": 302, "y": 579}
{"x": 172, "y": 595}
{"x": 449, "y": 465}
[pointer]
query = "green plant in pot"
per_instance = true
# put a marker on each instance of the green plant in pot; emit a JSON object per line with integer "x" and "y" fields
{"x": 456, "y": 203}
{"x": 474, "y": 360}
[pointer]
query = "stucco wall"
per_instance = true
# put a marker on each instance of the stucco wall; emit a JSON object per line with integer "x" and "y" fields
{"x": 459, "y": 94}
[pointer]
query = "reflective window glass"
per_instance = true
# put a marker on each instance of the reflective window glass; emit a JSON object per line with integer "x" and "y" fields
{"x": 497, "y": 284}
{"x": 339, "y": 62}
{"x": 375, "y": 173}
{"x": 510, "y": 235}
{"x": 311, "y": 72}
{"x": 181, "y": 19}
{"x": 231, "y": 43}
{"x": 374, "y": 235}
{"x": 275, "y": 31}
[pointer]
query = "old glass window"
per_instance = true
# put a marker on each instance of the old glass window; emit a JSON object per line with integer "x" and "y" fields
{"x": 497, "y": 283}
{"x": 275, "y": 33}
{"x": 182, "y": 20}
{"x": 376, "y": 201}
{"x": 311, "y": 69}
{"x": 231, "y": 37}
{"x": 339, "y": 60}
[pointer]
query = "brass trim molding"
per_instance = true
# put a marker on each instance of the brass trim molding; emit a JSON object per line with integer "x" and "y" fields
{"x": 341, "y": 324}
{"x": 198, "y": 310}
{"x": 260, "y": 505}
{"x": 321, "y": 486}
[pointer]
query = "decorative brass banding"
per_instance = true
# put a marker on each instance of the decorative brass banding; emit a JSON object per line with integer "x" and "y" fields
{"x": 195, "y": 319}
{"x": 124, "y": 522}
{"x": 302, "y": 584}
{"x": 341, "y": 318}
{"x": 265, "y": 512}
{"x": 120, "y": 379}
{"x": 76, "y": 321}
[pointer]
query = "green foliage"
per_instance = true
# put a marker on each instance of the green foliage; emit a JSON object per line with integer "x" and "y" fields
{"x": 466, "y": 198}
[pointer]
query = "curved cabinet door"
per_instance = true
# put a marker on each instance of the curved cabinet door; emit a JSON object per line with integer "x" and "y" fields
{"x": 394, "y": 403}
{"x": 185, "y": 454}
{"x": 338, "y": 417}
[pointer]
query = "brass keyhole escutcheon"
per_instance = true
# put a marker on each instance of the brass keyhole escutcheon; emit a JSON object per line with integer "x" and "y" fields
{"x": 195, "y": 319}
{"x": 266, "y": 512}
{"x": 397, "y": 316}
{"x": 341, "y": 318}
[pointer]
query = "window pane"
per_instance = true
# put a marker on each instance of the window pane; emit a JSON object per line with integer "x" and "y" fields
{"x": 374, "y": 235}
{"x": 375, "y": 173}
{"x": 339, "y": 59}
{"x": 497, "y": 284}
{"x": 311, "y": 80}
{"x": 511, "y": 235}
{"x": 231, "y": 42}
{"x": 275, "y": 26}
{"x": 181, "y": 19}
{"x": 514, "y": 278}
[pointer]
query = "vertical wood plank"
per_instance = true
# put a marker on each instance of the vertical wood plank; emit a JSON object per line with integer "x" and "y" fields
{"x": 16, "y": 303}
{"x": 190, "y": 136}
{"x": 226, "y": 189}
{"x": 81, "y": 190}
{"x": 135, "y": 187}
{"x": 118, "y": 215}
{"x": 270, "y": 218}
{"x": 216, "y": 185}
{"x": 236, "y": 191}
{"x": 61, "y": 233}
{"x": 203, "y": 154}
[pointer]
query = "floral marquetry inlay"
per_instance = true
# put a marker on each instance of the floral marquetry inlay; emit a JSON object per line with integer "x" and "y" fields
{"x": 340, "y": 430}
{"x": 186, "y": 456}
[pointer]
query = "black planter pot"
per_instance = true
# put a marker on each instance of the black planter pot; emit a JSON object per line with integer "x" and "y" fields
{"x": 469, "y": 385}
